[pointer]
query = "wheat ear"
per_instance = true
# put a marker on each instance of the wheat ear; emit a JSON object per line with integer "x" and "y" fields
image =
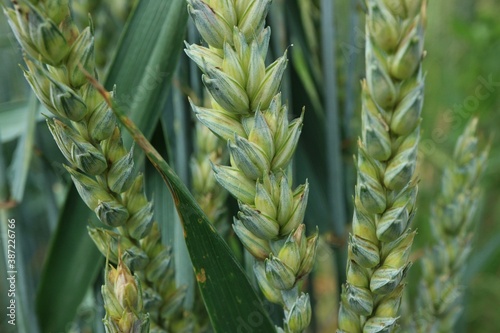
{"x": 452, "y": 222}
{"x": 392, "y": 97}
{"x": 211, "y": 197}
{"x": 247, "y": 113}
{"x": 101, "y": 168}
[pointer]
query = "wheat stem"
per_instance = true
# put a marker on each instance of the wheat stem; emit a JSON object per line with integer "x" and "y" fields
{"x": 392, "y": 98}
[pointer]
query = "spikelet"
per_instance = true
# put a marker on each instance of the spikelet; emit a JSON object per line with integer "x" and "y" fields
{"x": 123, "y": 302}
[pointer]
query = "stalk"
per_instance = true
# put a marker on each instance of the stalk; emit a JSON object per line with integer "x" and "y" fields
{"x": 335, "y": 175}
{"x": 102, "y": 170}
{"x": 246, "y": 111}
{"x": 439, "y": 302}
{"x": 385, "y": 194}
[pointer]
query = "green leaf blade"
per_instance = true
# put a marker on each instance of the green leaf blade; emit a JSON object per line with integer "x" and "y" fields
{"x": 72, "y": 264}
{"x": 146, "y": 61}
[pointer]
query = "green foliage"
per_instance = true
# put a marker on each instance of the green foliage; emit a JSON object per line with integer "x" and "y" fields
{"x": 137, "y": 48}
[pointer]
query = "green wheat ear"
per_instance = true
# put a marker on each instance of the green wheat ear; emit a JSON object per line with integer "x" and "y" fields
{"x": 208, "y": 150}
{"x": 101, "y": 168}
{"x": 392, "y": 97}
{"x": 247, "y": 112}
{"x": 452, "y": 222}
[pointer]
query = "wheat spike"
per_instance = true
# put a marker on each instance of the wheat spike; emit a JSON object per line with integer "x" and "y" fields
{"x": 211, "y": 197}
{"x": 102, "y": 170}
{"x": 439, "y": 299}
{"x": 247, "y": 112}
{"x": 392, "y": 97}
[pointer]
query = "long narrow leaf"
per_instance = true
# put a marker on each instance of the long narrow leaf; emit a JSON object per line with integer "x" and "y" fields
{"x": 22, "y": 156}
{"x": 218, "y": 273}
{"x": 13, "y": 120}
{"x": 146, "y": 60}
{"x": 72, "y": 264}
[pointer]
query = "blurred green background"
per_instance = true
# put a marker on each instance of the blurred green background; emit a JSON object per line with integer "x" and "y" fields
{"x": 462, "y": 81}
